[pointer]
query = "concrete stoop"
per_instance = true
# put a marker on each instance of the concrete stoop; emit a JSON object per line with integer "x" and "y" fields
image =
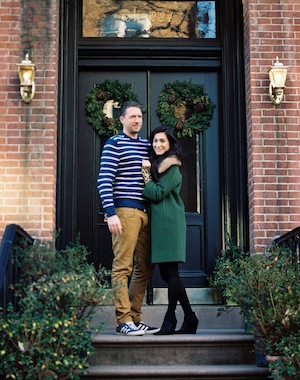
{"x": 209, "y": 372}
{"x": 220, "y": 350}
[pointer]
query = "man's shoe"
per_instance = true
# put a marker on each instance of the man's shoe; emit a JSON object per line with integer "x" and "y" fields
{"x": 129, "y": 328}
{"x": 146, "y": 328}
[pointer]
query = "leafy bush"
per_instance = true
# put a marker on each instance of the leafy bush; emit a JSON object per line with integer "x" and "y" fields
{"x": 266, "y": 286}
{"x": 225, "y": 278}
{"x": 48, "y": 336}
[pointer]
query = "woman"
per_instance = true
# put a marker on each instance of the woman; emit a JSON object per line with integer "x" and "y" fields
{"x": 168, "y": 227}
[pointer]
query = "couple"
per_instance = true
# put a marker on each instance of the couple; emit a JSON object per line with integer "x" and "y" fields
{"x": 132, "y": 173}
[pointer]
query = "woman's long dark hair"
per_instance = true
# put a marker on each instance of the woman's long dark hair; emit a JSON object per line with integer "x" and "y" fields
{"x": 175, "y": 149}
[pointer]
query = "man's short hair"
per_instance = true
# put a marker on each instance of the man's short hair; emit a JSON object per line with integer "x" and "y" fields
{"x": 128, "y": 104}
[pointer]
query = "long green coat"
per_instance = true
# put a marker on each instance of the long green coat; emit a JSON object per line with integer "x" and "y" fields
{"x": 167, "y": 215}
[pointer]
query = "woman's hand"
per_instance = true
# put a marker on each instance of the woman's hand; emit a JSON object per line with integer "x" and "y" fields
{"x": 146, "y": 163}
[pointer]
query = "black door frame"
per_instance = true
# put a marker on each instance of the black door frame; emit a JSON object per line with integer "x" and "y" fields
{"x": 227, "y": 54}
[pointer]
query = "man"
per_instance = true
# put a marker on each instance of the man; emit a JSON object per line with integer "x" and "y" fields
{"x": 120, "y": 184}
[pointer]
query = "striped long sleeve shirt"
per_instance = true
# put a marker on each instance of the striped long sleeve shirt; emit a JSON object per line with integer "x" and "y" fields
{"x": 120, "y": 182}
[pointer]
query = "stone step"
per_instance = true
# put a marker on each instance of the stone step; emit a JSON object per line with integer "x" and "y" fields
{"x": 171, "y": 372}
{"x": 220, "y": 350}
{"x": 154, "y": 315}
{"x": 204, "y": 348}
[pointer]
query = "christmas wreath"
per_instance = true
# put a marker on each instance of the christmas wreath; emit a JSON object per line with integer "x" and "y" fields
{"x": 185, "y": 107}
{"x": 96, "y": 100}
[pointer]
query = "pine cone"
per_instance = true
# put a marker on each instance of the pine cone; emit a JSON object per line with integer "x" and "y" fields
{"x": 199, "y": 108}
{"x": 107, "y": 121}
{"x": 172, "y": 98}
{"x": 200, "y": 104}
{"x": 179, "y": 124}
{"x": 101, "y": 95}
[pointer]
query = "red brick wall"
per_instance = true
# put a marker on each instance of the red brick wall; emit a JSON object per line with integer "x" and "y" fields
{"x": 272, "y": 28}
{"x": 28, "y": 148}
{"x": 28, "y": 132}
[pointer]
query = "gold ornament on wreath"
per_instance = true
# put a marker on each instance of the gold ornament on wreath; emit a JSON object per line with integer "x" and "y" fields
{"x": 102, "y": 100}
{"x": 185, "y": 107}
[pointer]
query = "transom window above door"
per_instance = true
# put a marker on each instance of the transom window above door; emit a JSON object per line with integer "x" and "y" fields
{"x": 149, "y": 19}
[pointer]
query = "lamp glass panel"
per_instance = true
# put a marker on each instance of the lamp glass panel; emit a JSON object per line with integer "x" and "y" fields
{"x": 26, "y": 75}
{"x": 284, "y": 74}
{"x": 278, "y": 77}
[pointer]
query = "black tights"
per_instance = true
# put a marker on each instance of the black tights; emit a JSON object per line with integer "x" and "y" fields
{"x": 176, "y": 291}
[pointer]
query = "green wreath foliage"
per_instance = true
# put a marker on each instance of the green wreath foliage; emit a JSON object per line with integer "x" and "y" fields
{"x": 96, "y": 99}
{"x": 185, "y": 107}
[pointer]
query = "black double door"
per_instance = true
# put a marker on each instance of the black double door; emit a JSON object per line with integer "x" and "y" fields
{"x": 215, "y": 163}
{"x": 201, "y": 171}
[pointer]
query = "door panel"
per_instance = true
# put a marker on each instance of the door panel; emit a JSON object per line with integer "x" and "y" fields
{"x": 200, "y": 170}
{"x": 90, "y": 216}
{"x": 194, "y": 192}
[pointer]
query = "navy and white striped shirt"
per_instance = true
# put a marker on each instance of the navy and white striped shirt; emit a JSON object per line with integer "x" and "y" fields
{"x": 120, "y": 182}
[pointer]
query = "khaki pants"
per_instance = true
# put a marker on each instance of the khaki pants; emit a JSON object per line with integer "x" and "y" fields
{"x": 133, "y": 244}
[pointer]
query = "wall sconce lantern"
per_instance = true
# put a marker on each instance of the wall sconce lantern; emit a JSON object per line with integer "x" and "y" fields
{"x": 277, "y": 75}
{"x": 26, "y": 74}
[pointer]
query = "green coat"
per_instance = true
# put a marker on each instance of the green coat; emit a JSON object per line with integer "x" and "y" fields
{"x": 167, "y": 215}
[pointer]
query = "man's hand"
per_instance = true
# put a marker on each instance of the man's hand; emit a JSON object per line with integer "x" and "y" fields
{"x": 114, "y": 225}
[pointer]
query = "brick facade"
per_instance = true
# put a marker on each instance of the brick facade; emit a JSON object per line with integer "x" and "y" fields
{"x": 28, "y": 133}
{"x": 272, "y": 28}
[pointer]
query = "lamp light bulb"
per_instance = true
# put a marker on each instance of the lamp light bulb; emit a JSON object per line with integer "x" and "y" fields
{"x": 26, "y": 77}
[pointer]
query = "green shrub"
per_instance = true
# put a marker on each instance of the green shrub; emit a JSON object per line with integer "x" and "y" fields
{"x": 48, "y": 336}
{"x": 266, "y": 286}
{"x": 225, "y": 278}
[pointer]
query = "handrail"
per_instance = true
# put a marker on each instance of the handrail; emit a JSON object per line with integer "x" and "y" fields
{"x": 291, "y": 240}
{"x": 13, "y": 236}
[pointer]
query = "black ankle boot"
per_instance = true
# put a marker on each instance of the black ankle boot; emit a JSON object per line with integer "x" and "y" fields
{"x": 189, "y": 325}
{"x": 168, "y": 326}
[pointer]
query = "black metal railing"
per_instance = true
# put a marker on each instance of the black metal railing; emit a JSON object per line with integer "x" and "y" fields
{"x": 13, "y": 237}
{"x": 290, "y": 240}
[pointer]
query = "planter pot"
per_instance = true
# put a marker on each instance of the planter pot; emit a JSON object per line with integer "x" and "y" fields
{"x": 260, "y": 355}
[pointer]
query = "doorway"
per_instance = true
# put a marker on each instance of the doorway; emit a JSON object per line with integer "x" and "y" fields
{"x": 214, "y": 168}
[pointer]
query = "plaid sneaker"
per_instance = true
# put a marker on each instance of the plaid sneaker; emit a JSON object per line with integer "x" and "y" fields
{"x": 146, "y": 328}
{"x": 128, "y": 328}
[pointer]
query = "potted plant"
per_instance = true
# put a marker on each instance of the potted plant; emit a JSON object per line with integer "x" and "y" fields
{"x": 266, "y": 286}
{"x": 48, "y": 336}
